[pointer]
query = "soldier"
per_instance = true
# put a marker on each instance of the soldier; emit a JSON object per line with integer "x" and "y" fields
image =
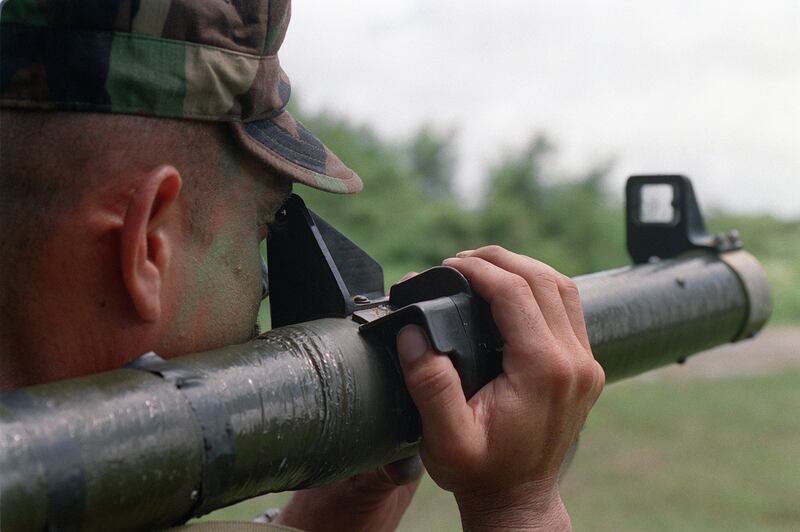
{"x": 146, "y": 147}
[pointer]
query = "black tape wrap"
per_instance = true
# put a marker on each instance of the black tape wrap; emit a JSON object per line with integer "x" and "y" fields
{"x": 211, "y": 416}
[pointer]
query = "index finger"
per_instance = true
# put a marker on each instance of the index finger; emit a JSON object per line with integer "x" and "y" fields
{"x": 514, "y": 309}
{"x": 565, "y": 316}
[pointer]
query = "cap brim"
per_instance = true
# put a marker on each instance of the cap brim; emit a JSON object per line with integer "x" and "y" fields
{"x": 287, "y": 147}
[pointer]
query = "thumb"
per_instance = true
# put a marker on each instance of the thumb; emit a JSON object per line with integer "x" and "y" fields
{"x": 433, "y": 384}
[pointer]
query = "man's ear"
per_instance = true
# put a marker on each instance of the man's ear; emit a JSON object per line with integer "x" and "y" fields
{"x": 145, "y": 245}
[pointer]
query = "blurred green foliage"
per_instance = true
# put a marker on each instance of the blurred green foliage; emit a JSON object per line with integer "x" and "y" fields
{"x": 410, "y": 218}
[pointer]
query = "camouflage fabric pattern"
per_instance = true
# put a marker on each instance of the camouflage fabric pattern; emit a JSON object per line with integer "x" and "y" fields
{"x": 194, "y": 59}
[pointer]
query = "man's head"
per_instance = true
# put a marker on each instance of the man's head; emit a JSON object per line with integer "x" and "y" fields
{"x": 145, "y": 146}
{"x": 123, "y": 234}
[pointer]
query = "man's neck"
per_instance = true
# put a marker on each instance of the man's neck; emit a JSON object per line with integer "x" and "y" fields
{"x": 44, "y": 341}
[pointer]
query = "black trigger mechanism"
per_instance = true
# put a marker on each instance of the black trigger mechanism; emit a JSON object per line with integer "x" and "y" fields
{"x": 316, "y": 272}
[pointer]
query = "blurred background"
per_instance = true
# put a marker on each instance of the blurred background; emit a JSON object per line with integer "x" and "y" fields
{"x": 516, "y": 122}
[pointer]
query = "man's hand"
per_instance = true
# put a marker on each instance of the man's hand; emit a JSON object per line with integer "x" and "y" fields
{"x": 500, "y": 452}
{"x": 373, "y": 501}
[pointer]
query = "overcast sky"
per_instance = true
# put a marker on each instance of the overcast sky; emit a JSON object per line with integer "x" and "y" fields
{"x": 709, "y": 88}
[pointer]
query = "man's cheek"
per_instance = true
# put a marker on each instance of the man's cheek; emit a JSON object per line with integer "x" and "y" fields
{"x": 234, "y": 306}
{"x": 218, "y": 302}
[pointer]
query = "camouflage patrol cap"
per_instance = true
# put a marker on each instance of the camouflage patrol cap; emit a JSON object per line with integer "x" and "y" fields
{"x": 194, "y": 59}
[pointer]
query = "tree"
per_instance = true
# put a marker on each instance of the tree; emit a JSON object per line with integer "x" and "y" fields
{"x": 432, "y": 156}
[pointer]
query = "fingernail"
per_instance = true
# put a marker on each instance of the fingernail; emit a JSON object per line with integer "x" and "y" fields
{"x": 411, "y": 343}
{"x": 465, "y": 253}
{"x": 402, "y": 471}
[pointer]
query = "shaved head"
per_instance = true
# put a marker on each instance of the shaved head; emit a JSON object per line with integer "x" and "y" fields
{"x": 50, "y": 160}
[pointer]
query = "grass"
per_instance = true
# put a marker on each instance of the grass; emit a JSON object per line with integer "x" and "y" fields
{"x": 699, "y": 455}
{"x": 695, "y": 455}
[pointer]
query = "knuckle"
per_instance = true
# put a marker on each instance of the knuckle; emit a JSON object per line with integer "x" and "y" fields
{"x": 515, "y": 287}
{"x": 535, "y": 265}
{"x": 586, "y": 378}
{"x": 560, "y": 373}
{"x": 545, "y": 279}
{"x": 433, "y": 384}
{"x": 572, "y": 300}
{"x": 600, "y": 377}
{"x": 568, "y": 287}
{"x": 492, "y": 251}
{"x": 476, "y": 266}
